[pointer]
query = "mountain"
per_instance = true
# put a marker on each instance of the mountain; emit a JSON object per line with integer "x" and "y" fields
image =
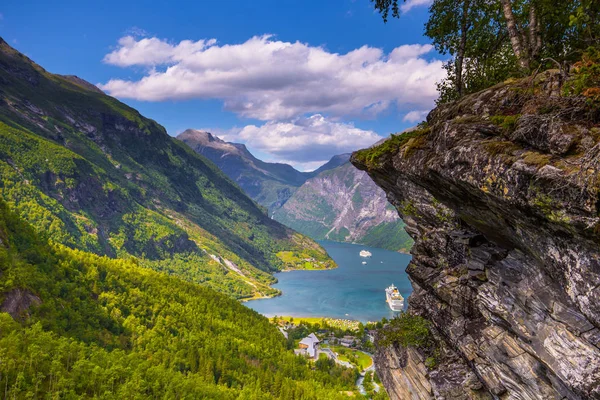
{"x": 500, "y": 191}
{"x": 336, "y": 201}
{"x": 89, "y": 172}
{"x": 335, "y": 161}
{"x": 344, "y": 204}
{"x": 269, "y": 184}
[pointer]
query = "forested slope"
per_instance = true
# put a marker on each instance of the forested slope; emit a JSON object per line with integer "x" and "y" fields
{"x": 81, "y": 325}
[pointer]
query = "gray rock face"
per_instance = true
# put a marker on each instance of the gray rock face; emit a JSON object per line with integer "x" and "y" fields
{"x": 506, "y": 255}
{"x": 344, "y": 204}
{"x": 17, "y": 303}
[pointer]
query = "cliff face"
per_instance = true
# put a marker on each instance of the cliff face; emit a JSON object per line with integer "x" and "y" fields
{"x": 500, "y": 194}
{"x": 344, "y": 204}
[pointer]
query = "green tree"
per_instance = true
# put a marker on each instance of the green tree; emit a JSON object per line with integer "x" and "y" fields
{"x": 490, "y": 41}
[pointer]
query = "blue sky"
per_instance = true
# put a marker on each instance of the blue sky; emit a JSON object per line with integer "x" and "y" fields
{"x": 275, "y": 93}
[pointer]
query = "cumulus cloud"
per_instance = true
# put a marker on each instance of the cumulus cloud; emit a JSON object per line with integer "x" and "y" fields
{"x": 415, "y": 116}
{"x": 268, "y": 79}
{"x": 152, "y": 51}
{"x": 305, "y": 142}
{"x": 410, "y": 4}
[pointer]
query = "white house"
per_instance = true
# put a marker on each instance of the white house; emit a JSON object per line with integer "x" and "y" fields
{"x": 310, "y": 344}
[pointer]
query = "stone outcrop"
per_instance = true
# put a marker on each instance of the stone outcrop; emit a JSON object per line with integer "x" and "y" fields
{"x": 17, "y": 303}
{"x": 500, "y": 192}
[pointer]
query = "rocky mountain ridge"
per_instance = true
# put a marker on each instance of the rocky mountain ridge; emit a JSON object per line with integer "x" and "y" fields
{"x": 344, "y": 204}
{"x": 269, "y": 184}
{"x": 500, "y": 191}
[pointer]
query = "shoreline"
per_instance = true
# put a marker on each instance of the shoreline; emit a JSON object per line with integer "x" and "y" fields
{"x": 319, "y": 319}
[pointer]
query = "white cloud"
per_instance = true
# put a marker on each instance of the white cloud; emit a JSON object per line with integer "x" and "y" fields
{"x": 267, "y": 79}
{"x": 152, "y": 51}
{"x": 305, "y": 142}
{"x": 410, "y": 4}
{"x": 415, "y": 116}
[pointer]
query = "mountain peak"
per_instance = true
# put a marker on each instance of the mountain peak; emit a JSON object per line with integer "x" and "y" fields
{"x": 198, "y": 136}
{"x": 200, "y": 140}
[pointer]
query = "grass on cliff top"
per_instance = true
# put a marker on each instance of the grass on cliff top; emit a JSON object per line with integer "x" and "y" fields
{"x": 586, "y": 78}
{"x": 410, "y": 141}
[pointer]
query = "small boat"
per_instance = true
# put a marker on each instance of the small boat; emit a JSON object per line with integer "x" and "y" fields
{"x": 394, "y": 298}
{"x": 364, "y": 262}
{"x": 365, "y": 253}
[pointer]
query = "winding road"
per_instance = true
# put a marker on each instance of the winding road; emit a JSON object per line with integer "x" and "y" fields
{"x": 359, "y": 382}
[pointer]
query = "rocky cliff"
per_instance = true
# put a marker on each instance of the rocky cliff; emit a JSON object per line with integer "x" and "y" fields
{"x": 500, "y": 192}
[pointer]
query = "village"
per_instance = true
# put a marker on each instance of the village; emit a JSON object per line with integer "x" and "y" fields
{"x": 348, "y": 343}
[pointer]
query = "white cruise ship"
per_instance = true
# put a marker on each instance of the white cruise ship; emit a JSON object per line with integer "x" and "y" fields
{"x": 394, "y": 298}
{"x": 365, "y": 253}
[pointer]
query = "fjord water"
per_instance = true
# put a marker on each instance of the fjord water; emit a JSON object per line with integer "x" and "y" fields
{"x": 353, "y": 290}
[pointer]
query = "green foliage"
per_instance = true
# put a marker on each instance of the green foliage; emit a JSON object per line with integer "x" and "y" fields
{"x": 586, "y": 79}
{"x": 495, "y": 147}
{"x": 372, "y": 156}
{"x": 431, "y": 362}
{"x": 390, "y": 236}
{"x": 357, "y": 198}
{"x": 408, "y": 208}
{"x": 303, "y": 260}
{"x": 341, "y": 234}
{"x": 406, "y": 330}
{"x": 357, "y": 358}
{"x": 536, "y": 158}
{"x": 368, "y": 383}
{"x": 385, "y": 6}
{"x": 109, "y": 328}
{"x": 475, "y": 34}
{"x": 507, "y": 122}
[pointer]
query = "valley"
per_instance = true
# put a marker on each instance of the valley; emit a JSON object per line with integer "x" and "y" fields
{"x": 100, "y": 177}
{"x": 335, "y": 202}
{"x": 371, "y": 199}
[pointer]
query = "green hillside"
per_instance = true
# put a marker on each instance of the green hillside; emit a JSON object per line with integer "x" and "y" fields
{"x": 81, "y": 325}
{"x": 93, "y": 174}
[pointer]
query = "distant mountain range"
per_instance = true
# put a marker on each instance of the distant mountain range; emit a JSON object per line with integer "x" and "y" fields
{"x": 336, "y": 201}
{"x": 269, "y": 184}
